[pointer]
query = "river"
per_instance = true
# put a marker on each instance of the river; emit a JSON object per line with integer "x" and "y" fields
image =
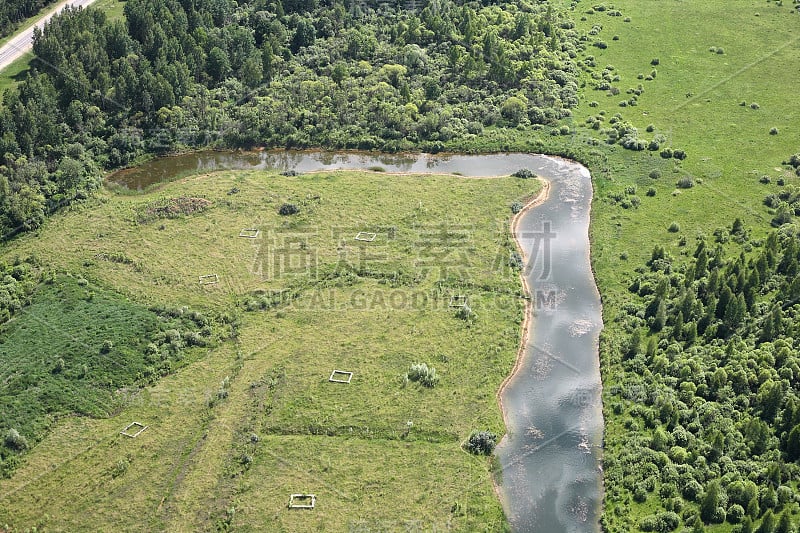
{"x": 550, "y": 460}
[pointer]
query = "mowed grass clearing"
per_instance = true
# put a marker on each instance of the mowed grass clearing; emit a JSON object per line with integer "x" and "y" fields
{"x": 255, "y": 419}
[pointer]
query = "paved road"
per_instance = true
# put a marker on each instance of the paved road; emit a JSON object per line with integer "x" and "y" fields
{"x": 23, "y": 41}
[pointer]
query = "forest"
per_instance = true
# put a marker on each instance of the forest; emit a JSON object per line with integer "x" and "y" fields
{"x": 186, "y": 74}
{"x": 710, "y": 413}
{"x": 13, "y": 12}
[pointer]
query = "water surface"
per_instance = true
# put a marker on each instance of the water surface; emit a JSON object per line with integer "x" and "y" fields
{"x": 550, "y": 478}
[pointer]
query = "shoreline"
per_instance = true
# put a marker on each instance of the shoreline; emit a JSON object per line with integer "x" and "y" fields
{"x": 540, "y": 198}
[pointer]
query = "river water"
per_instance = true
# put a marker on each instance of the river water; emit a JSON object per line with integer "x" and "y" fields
{"x": 550, "y": 461}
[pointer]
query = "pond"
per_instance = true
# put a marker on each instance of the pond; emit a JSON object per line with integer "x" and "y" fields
{"x": 550, "y": 471}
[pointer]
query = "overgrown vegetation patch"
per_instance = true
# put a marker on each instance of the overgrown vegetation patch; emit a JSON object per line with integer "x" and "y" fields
{"x": 171, "y": 208}
{"x": 75, "y": 346}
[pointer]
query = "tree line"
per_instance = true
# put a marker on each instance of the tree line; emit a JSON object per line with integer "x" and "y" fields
{"x": 178, "y": 74}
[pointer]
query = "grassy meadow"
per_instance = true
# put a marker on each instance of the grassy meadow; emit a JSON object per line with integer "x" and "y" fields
{"x": 250, "y": 417}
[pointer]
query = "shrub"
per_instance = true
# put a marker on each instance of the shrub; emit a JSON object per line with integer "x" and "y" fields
{"x": 288, "y": 209}
{"x": 482, "y": 443}
{"x": 773, "y": 131}
{"x": 465, "y": 313}
{"x": 14, "y": 440}
{"x": 107, "y": 346}
{"x": 194, "y": 339}
{"x": 735, "y": 513}
{"x": 679, "y": 154}
{"x": 515, "y": 261}
{"x": 674, "y": 227}
{"x": 602, "y": 45}
{"x": 119, "y": 468}
{"x": 421, "y": 373}
{"x": 685, "y": 183}
{"x": 523, "y": 173}
{"x": 765, "y": 179}
{"x": 754, "y": 106}
{"x": 661, "y": 522}
{"x": 516, "y": 207}
{"x": 60, "y": 366}
{"x": 666, "y": 153}
{"x": 655, "y": 174}
{"x": 654, "y": 61}
{"x": 651, "y": 191}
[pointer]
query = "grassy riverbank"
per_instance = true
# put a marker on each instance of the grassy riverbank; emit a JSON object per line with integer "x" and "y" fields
{"x": 245, "y": 422}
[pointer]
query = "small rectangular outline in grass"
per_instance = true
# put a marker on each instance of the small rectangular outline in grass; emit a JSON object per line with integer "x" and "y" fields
{"x": 366, "y": 236}
{"x": 250, "y": 233}
{"x": 341, "y": 372}
{"x": 209, "y": 279}
{"x": 311, "y": 498}
{"x": 458, "y": 300}
{"x": 139, "y": 425}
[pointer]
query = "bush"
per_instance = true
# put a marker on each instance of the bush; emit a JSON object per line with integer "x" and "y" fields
{"x": 655, "y": 174}
{"x": 651, "y": 191}
{"x": 193, "y": 338}
{"x": 14, "y": 440}
{"x": 523, "y": 173}
{"x": 465, "y": 313}
{"x": 661, "y": 522}
{"x": 107, "y": 346}
{"x": 419, "y": 372}
{"x": 482, "y": 443}
{"x": 516, "y": 207}
{"x": 654, "y": 61}
{"x": 773, "y": 131}
{"x": 735, "y": 513}
{"x": 754, "y": 106}
{"x": 288, "y": 209}
{"x": 674, "y": 227}
{"x": 685, "y": 183}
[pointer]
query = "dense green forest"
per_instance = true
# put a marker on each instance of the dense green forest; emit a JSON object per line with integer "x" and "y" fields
{"x": 711, "y": 413}
{"x": 182, "y": 74}
{"x": 12, "y": 12}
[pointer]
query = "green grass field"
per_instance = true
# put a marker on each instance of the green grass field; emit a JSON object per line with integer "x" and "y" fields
{"x": 251, "y": 420}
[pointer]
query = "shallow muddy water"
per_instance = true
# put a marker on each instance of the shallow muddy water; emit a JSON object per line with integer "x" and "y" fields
{"x": 551, "y": 478}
